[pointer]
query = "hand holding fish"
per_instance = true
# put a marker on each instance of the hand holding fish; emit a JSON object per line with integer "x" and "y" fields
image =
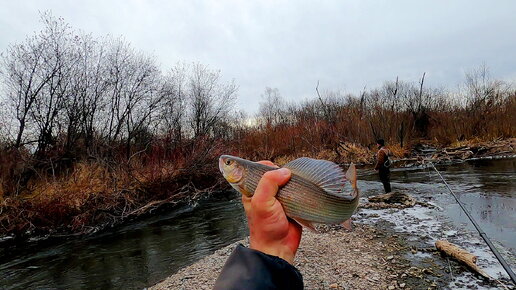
{"x": 308, "y": 191}
{"x": 270, "y": 230}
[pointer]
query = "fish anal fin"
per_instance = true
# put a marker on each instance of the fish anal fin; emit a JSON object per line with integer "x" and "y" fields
{"x": 351, "y": 175}
{"x": 348, "y": 225}
{"x": 306, "y": 224}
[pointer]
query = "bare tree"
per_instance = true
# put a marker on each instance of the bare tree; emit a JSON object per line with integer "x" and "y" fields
{"x": 87, "y": 92}
{"x": 59, "y": 60}
{"x": 210, "y": 100}
{"x": 174, "y": 104}
{"x": 271, "y": 109}
{"x": 28, "y": 69}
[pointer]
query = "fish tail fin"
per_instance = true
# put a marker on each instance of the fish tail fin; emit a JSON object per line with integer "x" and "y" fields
{"x": 351, "y": 175}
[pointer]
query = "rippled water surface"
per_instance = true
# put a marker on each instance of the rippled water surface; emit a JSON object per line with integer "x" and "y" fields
{"x": 487, "y": 188}
{"x": 130, "y": 257}
{"x": 144, "y": 252}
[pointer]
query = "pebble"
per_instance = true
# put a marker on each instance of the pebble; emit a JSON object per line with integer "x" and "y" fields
{"x": 321, "y": 259}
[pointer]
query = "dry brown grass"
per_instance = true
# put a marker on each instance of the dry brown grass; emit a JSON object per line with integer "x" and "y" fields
{"x": 92, "y": 194}
{"x": 86, "y": 193}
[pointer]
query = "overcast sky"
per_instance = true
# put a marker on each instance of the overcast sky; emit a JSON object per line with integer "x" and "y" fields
{"x": 290, "y": 45}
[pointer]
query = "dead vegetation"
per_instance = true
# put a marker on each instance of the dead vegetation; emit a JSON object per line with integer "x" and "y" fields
{"x": 92, "y": 131}
{"x": 94, "y": 195}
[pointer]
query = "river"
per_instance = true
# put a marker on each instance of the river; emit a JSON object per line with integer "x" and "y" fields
{"x": 144, "y": 252}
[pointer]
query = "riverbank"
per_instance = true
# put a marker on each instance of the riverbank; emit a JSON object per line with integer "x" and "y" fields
{"x": 366, "y": 258}
{"x": 143, "y": 252}
{"x": 418, "y": 153}
{"x": 389, "y": 248}
{"x": 93, "y": 197}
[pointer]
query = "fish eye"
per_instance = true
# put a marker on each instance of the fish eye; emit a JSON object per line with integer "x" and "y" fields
{"x": 228, "y": 162}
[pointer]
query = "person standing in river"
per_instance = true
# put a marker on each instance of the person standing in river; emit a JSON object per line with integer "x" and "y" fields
{"x": 382, "y": 165}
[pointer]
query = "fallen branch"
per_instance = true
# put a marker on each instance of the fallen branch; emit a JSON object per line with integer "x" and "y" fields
{"x": 460, "y": 255}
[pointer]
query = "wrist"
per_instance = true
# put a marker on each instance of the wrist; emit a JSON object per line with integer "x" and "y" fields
{"x": 274, "y": 250}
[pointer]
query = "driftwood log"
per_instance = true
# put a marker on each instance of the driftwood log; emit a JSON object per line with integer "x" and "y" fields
{"x": 460, "y": 255}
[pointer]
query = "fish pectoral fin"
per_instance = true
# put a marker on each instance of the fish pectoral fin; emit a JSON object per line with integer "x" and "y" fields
{"x": 347, "y": 224}
{"x": 306, "y": 224}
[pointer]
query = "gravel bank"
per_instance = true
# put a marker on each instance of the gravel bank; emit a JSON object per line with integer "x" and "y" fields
{"x": 366, "y": 258}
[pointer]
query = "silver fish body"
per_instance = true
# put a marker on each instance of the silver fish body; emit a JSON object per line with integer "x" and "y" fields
{"x": 314, "y": 194}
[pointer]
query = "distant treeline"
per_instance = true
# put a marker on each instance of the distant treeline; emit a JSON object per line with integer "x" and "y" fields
{"x": 93, "y": 131}
{"x": 403, "y": 113}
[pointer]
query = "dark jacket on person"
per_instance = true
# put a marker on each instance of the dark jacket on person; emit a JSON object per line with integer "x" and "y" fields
{"x": 251, "y": 269}
{"x": 383, "y": 171}
{"x": 381, "y": 157}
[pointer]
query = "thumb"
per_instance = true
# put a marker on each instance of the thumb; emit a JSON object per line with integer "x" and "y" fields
{"x": 264, "y": 195}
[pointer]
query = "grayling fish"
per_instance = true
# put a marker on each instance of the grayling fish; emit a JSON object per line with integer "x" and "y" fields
{"x": 314, "y": 194}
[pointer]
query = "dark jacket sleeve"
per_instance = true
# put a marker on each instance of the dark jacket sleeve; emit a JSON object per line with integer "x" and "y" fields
{"x": 250, "y": 269}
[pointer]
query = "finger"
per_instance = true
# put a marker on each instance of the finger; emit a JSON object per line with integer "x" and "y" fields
{"x": 264, "y": 195}
{"x": 246, "y": 202}
{"x": 268, "y": 163}
{"x": 294, "y": 237}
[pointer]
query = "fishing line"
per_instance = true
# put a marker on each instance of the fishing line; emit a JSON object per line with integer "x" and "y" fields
{"x": 437, "y": 217}
{"x": 502, "y": 261}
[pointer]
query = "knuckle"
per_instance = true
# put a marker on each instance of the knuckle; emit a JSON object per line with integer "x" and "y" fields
{"x": 268, "y": 175}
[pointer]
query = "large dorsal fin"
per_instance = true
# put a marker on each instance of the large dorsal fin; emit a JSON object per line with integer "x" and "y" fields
{"x": 326, "y": 174}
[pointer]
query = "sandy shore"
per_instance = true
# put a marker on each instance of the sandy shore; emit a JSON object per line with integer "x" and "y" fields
{"x": 366, "y": 258}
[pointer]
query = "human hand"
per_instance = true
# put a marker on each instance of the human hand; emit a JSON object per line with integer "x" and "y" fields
{"x": 270, "y": 230}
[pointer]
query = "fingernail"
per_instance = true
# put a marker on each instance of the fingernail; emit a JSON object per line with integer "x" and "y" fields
{"x": 284, "y": 171}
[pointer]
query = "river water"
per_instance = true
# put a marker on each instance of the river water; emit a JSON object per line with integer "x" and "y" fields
{"x": 142, "y": 253}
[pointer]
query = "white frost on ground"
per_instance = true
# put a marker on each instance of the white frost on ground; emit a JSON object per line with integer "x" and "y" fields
{"x": 425, "y": 226}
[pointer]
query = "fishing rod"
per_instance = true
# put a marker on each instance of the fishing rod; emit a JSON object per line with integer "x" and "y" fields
{"x": 502, "y": 261}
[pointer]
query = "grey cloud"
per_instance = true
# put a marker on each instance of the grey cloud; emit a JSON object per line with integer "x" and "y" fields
{"x": 291, "y": 44}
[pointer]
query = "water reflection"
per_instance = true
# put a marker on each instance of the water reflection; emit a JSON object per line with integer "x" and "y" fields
{"x": 131, "y": 257}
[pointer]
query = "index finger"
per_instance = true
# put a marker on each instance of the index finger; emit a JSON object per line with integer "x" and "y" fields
{"x": 268, "y": 163}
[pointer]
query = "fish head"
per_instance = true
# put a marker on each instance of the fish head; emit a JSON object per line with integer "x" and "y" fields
{"x": 231, "y": 169}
